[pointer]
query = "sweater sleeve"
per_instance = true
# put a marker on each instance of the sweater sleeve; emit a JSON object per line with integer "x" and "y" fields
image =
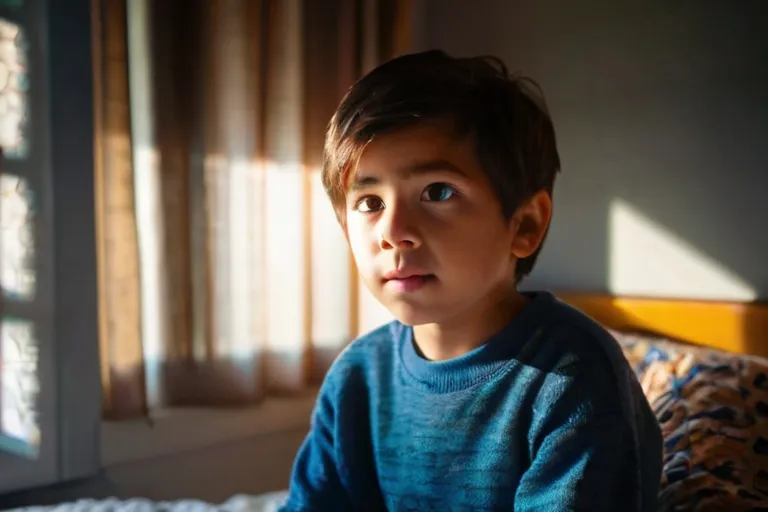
{"x": 315, "y": 482}
{"x": 591, "y": 465}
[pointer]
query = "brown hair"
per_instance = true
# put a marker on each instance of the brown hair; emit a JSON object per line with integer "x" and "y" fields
{"x": 504, "y": 114}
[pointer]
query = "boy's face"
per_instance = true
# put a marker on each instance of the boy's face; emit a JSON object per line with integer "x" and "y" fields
{"x": 426, "y": 229}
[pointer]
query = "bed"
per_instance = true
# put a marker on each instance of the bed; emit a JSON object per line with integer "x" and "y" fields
{"x": 703, "y": 367}
{"x": 268, "y": 502}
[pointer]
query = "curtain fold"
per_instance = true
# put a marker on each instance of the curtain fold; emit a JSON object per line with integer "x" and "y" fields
{"x": 120, "y": 321}
{"x": 224, "y": 276}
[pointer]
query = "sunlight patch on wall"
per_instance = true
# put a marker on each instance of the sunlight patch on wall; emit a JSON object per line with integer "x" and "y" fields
{"x": 648, "y": 260}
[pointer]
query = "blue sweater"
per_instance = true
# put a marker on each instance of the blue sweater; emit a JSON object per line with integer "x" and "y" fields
{"x": 546, "y": 416}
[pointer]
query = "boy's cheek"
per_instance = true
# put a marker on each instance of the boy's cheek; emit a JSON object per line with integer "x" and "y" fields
{"x": 357, "y": 234}
{"x": 362, "y": 254}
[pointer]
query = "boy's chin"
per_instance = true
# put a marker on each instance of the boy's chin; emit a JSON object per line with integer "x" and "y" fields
{"x": 411, "y": 315}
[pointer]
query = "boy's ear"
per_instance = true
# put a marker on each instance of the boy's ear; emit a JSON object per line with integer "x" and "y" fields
{"x": 530, "y": 223}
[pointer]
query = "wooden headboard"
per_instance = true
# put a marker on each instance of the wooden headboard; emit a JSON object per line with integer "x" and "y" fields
{"x": 732, "y": 326}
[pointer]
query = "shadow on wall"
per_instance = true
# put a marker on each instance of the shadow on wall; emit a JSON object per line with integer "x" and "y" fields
{"x": 659, "y": 105}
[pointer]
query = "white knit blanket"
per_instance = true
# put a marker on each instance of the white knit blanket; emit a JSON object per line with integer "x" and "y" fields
{"x": 241, "y": 503}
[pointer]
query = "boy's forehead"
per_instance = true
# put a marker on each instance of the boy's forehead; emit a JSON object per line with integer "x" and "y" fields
{"x": 361, "y": 178}
{"x": 412, "y": 151}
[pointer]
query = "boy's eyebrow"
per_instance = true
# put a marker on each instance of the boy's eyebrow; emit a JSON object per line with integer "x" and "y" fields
{"x": 361, "y": 180}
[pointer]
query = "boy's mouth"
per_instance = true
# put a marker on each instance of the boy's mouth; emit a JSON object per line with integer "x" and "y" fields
{"x": 399, "y": 281}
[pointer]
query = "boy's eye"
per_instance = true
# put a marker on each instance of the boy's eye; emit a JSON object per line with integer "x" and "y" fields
{"x": 369, "y": 204}
{"x": 438, "y": 192}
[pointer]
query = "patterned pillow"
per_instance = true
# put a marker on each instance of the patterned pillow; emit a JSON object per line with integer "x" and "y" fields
{"x": 713, "y": 410}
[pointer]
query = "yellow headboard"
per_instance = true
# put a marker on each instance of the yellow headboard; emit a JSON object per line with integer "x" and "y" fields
{"x": 732, "y": 326}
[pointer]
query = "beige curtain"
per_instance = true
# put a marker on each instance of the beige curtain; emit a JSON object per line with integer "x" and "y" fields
{"x": 223, "y": 275}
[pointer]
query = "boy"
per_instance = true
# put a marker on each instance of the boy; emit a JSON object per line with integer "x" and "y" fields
{"x": 478, "y": 397}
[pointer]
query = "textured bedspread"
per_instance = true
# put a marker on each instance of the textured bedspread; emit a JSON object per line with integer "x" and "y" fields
{"x": 262, "y": 503}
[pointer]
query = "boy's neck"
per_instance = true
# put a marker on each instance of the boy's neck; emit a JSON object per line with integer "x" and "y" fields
{"x": 465, "y": 332}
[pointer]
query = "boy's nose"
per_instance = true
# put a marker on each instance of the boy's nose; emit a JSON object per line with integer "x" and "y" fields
{"x": 387, "y": 243}
{"x": 397, "y": 231}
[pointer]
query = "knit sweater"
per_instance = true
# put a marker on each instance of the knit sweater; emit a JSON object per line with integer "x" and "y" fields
{"x": 546, "y": 415}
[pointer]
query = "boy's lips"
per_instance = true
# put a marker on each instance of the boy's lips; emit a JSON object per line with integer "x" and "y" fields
{"x": 406, "y": 280}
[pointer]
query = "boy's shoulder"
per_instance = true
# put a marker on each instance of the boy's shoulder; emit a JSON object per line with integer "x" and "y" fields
{"x": 579, "y": 356}
{"x": 579, "y": 336}
{"x": 568, "y": 340}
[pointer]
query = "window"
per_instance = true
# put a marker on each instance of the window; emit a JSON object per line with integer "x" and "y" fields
{"x": 19, "y": 381}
